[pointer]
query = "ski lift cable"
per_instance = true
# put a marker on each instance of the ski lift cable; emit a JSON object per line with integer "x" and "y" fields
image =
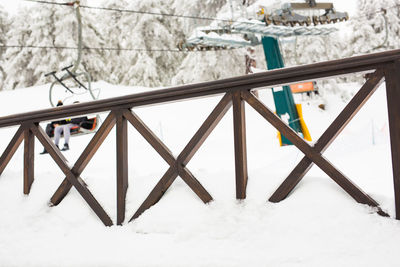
{"x": 170, "y": 15}
{"x": 175, "y": 15}
{"x": 108, "y": 48}
{"x": 130, "y": 11}
{"x": 167, "y": 14}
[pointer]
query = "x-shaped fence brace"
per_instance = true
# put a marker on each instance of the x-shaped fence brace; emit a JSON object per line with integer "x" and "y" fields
{"x": 314, "y": 154}
{"x": 177, "y": 166}
{"x": 119, "y": 117}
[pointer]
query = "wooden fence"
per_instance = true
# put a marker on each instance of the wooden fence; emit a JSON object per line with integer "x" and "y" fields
{"x": 236, "y": 91}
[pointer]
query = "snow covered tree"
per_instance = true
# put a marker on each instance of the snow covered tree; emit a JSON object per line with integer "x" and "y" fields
{"x": 371, "y": 32}
{"x": 210, "y": 66}
{"x": 364, "y": 33}
{"x": 49, "y": 25}
{"x": 4, "y": 28}
{"x": 151, "y": 36}
{"x": 196, "y": 8}
{"x": 113, "y": 28}
{"x": 150, "y": 64}
{"x": 17, "y": 59}
{"x": 93, "y": 60}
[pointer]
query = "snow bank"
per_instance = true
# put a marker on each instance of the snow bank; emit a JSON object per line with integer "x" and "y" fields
{"x": 317, "y": 225}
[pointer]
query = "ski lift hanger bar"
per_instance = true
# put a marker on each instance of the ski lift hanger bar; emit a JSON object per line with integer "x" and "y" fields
{"x": 280, "y": 31}
{"x": 210, "y": 40}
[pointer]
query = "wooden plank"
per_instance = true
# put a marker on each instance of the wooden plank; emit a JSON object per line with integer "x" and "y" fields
{"x": 293, "y": 179}
{"x": 29, "y": 160}
{"x": 11, "y": 148}
{"x": 150, "y": 137}
{"x": 85, "y": 157}
{"x": 157, "y": 192}
{"x": 122, "y": 166}
{"x": 178, "y": 166}
{"x": 351, "y": 109}
{"x": 95, "y": 143}
{"x": 316, "y": 157}
{"x": 239, "y": 129}
{"x": 195, "y": 143}
{"x": 194, "y": 184}
{"x": 392, "y": 74}
{"x": 269, "y": 78}
{"x": 166, "y": 154}
{"x": 61, "y": 161}
{"x": 205, "y": 129}
{"x": 166, "y": 181}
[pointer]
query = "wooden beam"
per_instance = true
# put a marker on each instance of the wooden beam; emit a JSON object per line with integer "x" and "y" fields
{"x": 166, "y": 154}
{"x": 206, "y": 129}
{"x": 157, "y": 192}
{"x": 122, "y": 166}
{"x": 351, "y": 109}
{"x": 177, "y": 167}
{"x": 193, "y": 183}
{"x": 11, "y": 148}
{"x": 392, "y": 74}
{"x": 85, "y": 157}
{"x": 78, "y": 183}
{"x": 310, "y": 152}
{"x": 150, "y": 137}
{"x": 239, "y": 130}
{"x": 29, "y": 160}
{"x": 272, "y": 78}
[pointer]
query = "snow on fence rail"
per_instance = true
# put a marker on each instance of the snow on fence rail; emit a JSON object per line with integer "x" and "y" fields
{"x": 383, "y": 66}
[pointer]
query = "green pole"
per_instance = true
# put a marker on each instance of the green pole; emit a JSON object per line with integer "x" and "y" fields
{"x": 283, "y": 97}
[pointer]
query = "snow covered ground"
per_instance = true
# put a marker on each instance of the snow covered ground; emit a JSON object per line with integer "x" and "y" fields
{"x": 317, "y": 225}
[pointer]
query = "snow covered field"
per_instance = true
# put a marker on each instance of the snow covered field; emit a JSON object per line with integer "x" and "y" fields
{"x": 317, "y": 225}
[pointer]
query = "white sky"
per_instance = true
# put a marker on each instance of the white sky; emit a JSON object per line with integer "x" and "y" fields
{"x": 341, "y": 5}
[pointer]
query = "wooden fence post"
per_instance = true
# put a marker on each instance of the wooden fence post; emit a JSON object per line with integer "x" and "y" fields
{"x": 122, "y": 166}
{"x": 29, "y": 160}
{"x": 11, "y": 148}
{"x": 239, "y": 126}
{"x": 392, "y": 75}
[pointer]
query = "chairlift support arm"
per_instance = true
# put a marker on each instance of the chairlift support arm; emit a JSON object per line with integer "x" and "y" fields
{"x": 311, "y": 4}
{"x": 76, "y": 5}
{"x": 53, "y": 73}
{"x": 73, "y": 75}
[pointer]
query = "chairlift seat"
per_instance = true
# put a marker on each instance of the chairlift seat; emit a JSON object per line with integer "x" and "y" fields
{"x": 302, "y": 87}
{"x": 87, "y": 127}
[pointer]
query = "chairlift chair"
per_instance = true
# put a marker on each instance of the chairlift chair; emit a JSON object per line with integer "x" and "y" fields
{"x": 72, "y": 84}
{"x": 91, "y": 125}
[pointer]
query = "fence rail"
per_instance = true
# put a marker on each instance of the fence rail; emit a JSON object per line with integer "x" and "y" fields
{"x": 382, "y": 67}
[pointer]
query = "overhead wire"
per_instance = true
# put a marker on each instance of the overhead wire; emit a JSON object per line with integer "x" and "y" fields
{"x": 110, "y": 48}
{"x": 163, "y": 14}
{"x": 149, "y": 13}
{"x": 127, "y": 11}
{"x": 131, "y": 11}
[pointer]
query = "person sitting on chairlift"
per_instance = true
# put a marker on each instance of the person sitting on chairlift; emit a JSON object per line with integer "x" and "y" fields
{"x": 50, "y": 126}
{"x": 56, "y": 128}
{"x": 66, "y": 130}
